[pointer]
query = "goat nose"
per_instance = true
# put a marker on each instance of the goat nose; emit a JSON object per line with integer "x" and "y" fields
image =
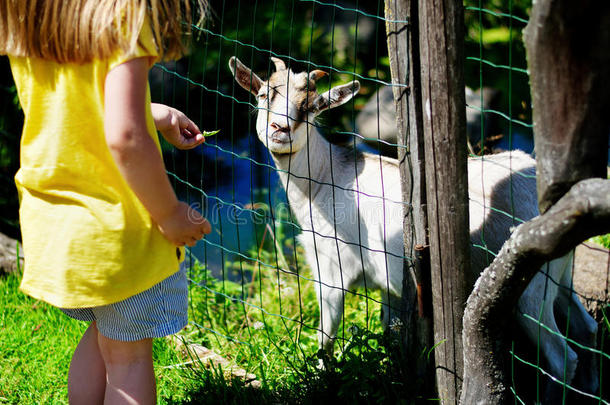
{"x": 277, "y": 127}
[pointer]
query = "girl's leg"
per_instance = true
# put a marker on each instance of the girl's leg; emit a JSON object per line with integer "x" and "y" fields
{"x": 87, "y": 375}
{"x": 129, "y": 370}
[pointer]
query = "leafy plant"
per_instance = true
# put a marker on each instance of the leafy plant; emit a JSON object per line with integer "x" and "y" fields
{"x": 603, "y": 240}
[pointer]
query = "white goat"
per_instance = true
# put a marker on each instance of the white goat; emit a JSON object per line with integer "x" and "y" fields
{"x": 349, "y": 207}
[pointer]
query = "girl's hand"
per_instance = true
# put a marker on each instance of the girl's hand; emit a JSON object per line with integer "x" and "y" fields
{"x": 183, "y": 225}
{"x": 176, "y": 127}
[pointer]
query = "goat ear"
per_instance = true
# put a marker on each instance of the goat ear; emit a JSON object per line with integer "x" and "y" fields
{"x": 315, "y": 75}
{"x": 245, "y": 76}
{"x": 279, "y": 64}
{"x": 336, "y": 96}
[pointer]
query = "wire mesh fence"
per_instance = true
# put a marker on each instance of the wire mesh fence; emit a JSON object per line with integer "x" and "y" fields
{"x": 254, "y": 286}
{"x": 277, "y": 248}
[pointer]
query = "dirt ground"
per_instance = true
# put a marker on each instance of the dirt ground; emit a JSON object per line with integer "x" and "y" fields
{"x": 592, "y": 277}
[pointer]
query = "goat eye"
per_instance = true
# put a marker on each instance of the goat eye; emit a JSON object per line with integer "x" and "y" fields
{"x": 261, "y": 96}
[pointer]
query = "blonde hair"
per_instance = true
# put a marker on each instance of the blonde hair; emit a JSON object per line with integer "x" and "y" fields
{"x": 77, "y": 31}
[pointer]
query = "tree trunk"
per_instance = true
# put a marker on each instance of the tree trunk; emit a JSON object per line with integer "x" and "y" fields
{"x": 583, "y": 212}
{"x": 568, "y": 51}
{"x": 567, "y": 47}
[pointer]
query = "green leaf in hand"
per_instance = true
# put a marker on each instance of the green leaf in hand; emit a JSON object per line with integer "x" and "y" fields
{"x": 210, "y": 133}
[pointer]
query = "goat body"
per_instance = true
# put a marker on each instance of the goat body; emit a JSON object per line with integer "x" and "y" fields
{"x": 349, "y": 205}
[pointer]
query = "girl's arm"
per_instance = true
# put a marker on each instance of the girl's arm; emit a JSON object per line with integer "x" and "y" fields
{"x": 176, "y": 127}
{"x": 138, "y": 158}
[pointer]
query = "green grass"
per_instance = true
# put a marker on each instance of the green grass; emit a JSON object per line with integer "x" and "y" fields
{"x": 239, "y": 322}
{"x": 264, "y": 321}
{"x": 266, "y": 324}
{"x": 36, "y": 344}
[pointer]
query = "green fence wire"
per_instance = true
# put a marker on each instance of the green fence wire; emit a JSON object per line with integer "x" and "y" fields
{"x": 252, "y": 292}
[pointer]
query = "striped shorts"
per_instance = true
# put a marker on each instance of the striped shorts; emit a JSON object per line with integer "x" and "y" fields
{"x": 159, "y": 311}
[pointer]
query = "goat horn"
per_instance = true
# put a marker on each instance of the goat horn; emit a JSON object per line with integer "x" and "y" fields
{"x": 279, "y": 64}
{"x": 317, "y": 74}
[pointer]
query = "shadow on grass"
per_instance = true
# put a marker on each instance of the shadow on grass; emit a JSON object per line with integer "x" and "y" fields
{"x": 368, "y": 371}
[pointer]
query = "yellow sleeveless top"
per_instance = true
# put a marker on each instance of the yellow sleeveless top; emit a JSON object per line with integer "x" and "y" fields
{"x": 87, "y": 239}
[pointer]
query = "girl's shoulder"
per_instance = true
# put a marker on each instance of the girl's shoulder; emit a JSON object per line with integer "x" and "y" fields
{"x": 145, "y": 47}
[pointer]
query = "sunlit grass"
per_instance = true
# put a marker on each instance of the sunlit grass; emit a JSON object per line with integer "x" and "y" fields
{"x": 267, "y": 326}
{"x": 266, "y": 323}
{"x": 36, "y": 345}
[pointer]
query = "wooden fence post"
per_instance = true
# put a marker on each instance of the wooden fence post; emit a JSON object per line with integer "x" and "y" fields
{"x": 403, "y": 51}
{"x": 425, "y": 43}
{"x": 441, "y": 28}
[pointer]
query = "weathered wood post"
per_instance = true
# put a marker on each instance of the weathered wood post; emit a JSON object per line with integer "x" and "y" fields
{"x": 403, "y": 51}
{"x": 427, "y": 54}
{"x": 441, "y": 40}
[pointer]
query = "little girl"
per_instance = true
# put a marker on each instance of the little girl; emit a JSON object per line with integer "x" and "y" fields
{"x": 102, "y": 228}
